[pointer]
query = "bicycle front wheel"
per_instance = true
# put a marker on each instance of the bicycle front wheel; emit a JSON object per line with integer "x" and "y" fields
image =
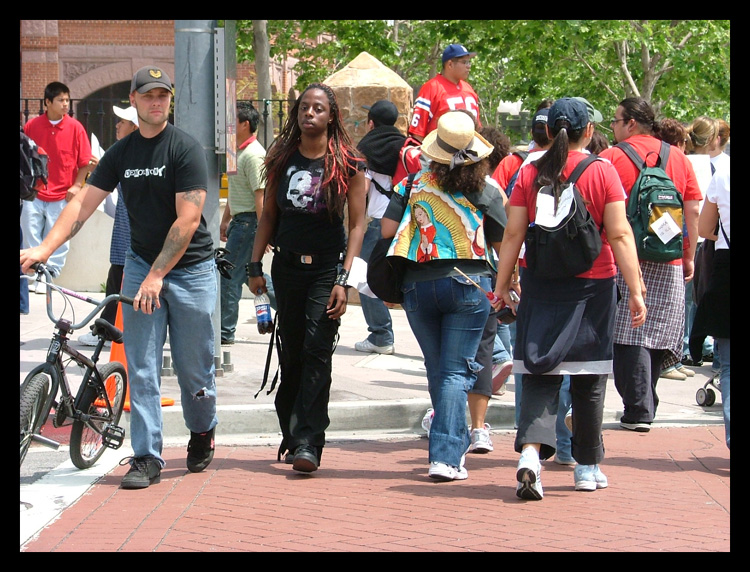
{"x": 34, "y": 394}
{"x": 87, "y": 442}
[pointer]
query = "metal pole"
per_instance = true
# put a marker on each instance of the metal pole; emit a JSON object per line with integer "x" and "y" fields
{"x": 194, "y": 113}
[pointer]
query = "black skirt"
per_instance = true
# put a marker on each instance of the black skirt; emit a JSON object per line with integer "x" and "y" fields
{"x": 565, "y": 326}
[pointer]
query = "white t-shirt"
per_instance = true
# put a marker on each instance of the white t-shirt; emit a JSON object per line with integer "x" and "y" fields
{"x": 718, "y": 193}
{"x": 377, "y": 202}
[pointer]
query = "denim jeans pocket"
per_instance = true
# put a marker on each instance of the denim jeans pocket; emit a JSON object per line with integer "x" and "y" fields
{"x": 465, "y": 293}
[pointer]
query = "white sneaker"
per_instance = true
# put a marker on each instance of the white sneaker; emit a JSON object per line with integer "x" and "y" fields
{"x": 500, "y": 373}
{"x": 88, "y": 339}
{"x": 528, "y": 475}
{"x": 41, "y": 288}
{"x": 480, "y": 440}
{"x": 427, "y": 420}
{"x": 368, "y": 347}
{"x": 443, "y": 472}
{"x": 589, "y": 478}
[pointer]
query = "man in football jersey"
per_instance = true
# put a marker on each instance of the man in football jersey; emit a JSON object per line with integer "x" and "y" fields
{"x": 447, "y": 91}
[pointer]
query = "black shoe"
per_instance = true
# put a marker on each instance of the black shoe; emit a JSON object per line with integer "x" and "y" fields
{"x": 225, "y": 342}
{"x": 709, "y": 357}
{"x": 200, "y": 450}
{"x": 144, "y": 471}
{"x": 289, "y": 458}
{"x": 688, "y": 361}
{"x": 305, "y": 459}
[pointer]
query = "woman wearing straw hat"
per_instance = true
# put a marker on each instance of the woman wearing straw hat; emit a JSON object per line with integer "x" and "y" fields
{"x": 446, "y": 312}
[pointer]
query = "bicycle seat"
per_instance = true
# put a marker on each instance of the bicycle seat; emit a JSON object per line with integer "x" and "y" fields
{"x": 102, "y": 328}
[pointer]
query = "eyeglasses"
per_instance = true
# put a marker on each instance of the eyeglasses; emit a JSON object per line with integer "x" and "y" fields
{"x": 466, "y": 62}
{"x": 614, "y": 120}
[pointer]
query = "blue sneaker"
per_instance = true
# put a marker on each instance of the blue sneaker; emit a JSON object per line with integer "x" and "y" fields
{"x": 589, "y": 478}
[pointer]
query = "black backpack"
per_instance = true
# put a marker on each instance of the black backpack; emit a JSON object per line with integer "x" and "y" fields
{"x": 33, "y": 168}
{"x": 512, "y": 182}
{"x": 654, "y": 203}
{"x": 570, "y": 246}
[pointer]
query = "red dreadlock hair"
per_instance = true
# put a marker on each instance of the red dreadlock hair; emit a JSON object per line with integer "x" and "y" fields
{"x": 340, "y": 158}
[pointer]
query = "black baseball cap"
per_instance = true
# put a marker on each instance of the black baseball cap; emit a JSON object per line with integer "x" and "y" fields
{"x": 383, "y": 112}
{"x": 539, "y": 122}
{"x": 150, "y": 77}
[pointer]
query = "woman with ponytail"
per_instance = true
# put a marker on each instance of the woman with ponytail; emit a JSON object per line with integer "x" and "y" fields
{"x": 565, "y": 326}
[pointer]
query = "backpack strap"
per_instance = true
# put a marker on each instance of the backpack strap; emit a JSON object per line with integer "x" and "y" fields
{"x": 664, "y": 155}
{"x": 632, "y": 154}
{"x": 578, "y": 171}
{"x": 630, "y": 151}
{"x": 382, "y": 190}
{"x": 581, "y": 167}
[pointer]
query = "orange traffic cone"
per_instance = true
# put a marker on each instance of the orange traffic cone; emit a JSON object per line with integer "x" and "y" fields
{"x": 117, "y": 353}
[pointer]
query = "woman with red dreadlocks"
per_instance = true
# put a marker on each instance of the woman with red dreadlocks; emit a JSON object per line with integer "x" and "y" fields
{"x": 312, "y": 171}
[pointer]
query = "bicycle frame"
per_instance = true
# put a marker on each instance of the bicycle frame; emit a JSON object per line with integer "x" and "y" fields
{"x": 68, "y": 407}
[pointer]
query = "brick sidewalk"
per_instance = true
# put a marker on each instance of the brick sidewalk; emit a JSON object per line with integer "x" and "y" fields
{"x": 669, "y": 492}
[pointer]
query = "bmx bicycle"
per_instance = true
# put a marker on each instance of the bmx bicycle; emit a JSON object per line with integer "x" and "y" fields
{"x": 94, "y": 411}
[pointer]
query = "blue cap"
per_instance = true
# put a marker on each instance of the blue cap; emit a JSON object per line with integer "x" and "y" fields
{"x": 456, "y": 51}
{"x": 570, "y": 109}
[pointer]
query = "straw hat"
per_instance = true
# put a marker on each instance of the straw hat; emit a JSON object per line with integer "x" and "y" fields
{"x": 455, "y": 142}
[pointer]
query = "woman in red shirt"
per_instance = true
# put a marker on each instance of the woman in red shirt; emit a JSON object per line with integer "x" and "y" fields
{"x": 567, "y": 323}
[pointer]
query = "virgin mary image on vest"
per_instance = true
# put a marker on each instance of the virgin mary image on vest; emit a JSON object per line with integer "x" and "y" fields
{"x": 433, "y": 240}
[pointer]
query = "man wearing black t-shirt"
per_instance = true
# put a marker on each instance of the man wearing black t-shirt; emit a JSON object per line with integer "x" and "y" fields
{"x": 169, "y": 272}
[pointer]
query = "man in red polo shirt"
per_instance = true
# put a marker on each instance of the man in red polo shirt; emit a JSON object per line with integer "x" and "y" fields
{"x": 67, "y": 144}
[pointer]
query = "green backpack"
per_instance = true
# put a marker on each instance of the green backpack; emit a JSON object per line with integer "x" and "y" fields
{"x": 655, "y": 209}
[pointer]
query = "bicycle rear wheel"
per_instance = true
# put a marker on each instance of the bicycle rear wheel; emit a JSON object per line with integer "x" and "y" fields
{"x": 34, "y": 394}
{"x": 86, "y": 440}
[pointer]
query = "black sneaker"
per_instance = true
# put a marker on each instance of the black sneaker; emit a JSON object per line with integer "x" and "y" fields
{"x": 688, "y": 361}
{"x": 144, "y": 471}
{"x": 305, "y": 459}
{"x": 200, "y": 450}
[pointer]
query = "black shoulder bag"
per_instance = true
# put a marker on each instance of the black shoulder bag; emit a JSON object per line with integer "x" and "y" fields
{"x": 385, "y": 274}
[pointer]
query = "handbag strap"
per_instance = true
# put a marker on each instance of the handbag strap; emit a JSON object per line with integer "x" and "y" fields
{"x": 723, "y": 232}
{"x": 275, "y": 340}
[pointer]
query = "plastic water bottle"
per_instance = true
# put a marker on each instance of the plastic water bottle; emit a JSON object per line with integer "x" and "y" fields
{"x": 263, "y": 312}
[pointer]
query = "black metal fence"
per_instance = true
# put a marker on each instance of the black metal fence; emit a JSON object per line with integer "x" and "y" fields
{"x": 97, "y": 117}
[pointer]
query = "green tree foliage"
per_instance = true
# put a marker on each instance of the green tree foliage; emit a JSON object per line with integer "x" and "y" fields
{"x": 680, "y": 66}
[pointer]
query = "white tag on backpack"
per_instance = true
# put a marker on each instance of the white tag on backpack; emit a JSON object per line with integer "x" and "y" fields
{"x": 665, "y": 228}
{"x": 545, "y": 207}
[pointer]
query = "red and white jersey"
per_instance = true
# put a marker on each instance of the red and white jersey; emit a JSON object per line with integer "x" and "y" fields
{"x": 438, "y": 96}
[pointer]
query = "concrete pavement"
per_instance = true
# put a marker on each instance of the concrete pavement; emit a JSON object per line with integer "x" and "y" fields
{"x": 669, "y": 488}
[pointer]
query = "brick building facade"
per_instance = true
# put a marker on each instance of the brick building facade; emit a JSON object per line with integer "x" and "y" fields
{"x": 97, "y": 59}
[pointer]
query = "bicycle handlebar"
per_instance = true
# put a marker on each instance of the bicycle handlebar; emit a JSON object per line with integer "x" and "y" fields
{"x": 42, "y": 272}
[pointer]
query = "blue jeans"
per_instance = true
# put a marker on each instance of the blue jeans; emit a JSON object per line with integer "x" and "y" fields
{"x": 24, "y": 286}
{"x": 562, "y": 432}
{"x": 376, "y": 313}
{"x": 188, "y": 299}
{"x": 501, "y": 351}
{"x": 240, "y": 238}
{"x": 37, "y": 219}
{"x": 721, "y": 345}
{"x": 447, "y": 316}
